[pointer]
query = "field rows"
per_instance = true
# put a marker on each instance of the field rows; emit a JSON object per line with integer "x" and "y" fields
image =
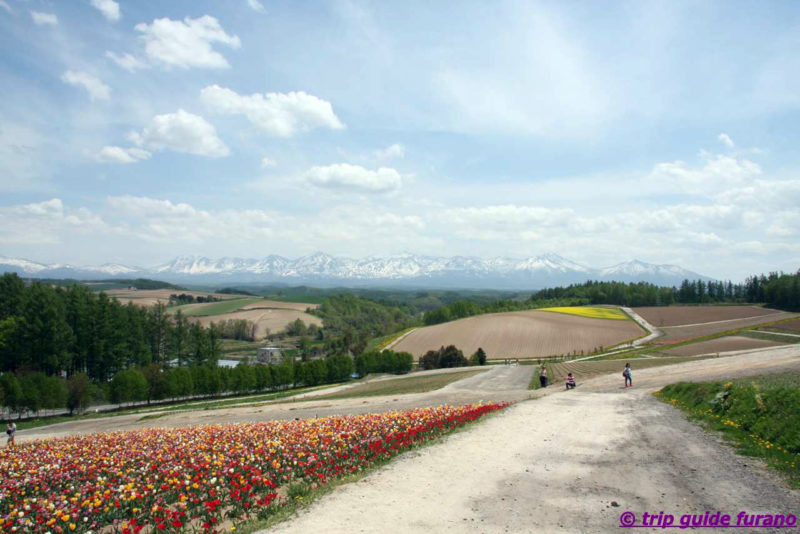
{"x": 582, "y": 371}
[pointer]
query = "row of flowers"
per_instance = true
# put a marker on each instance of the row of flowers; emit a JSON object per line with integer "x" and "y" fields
{"x": 198, "y": 477}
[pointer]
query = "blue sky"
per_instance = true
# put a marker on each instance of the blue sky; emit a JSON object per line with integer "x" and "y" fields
{"x": 133, "y": 132}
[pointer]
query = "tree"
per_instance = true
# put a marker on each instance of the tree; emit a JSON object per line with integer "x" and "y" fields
{"x": 12, "y": 392}
{"x": 157, "y": 386}
{"x": 479, "y": 358}
{"x": 128, "y": 385}
{"x": 78, "y": 388}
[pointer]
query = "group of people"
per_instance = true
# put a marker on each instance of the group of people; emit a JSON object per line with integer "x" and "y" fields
{"x": 569, "y": 381}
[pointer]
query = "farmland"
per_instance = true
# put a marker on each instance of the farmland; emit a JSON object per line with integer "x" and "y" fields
{"x": 675, "y": 334}
{"x": 557, "y": 371}
{"x": 723, "y": 344}
{"x": 669, "y": 316}
{"x": 266, "y": 319}
{"x": 590, "y": 311}
{"x": 149, "y": 297}
{"x": 526, "y": 334}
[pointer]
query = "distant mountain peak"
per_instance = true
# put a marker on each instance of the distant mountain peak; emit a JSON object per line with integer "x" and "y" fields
{"x": 546, "y": 270}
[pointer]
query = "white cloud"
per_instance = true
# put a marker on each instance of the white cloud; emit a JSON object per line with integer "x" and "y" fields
{"x": 109, "y": 9}
{"x": 281, "y": 114}
{"x": 255, "y": 5}
{"x": 165, "y": 221}
{"x": 187, "y": 43}
{"x": 718, "y": 173}
{"x": 44, "y": 19}
{"x": 347, "y": 176}
{"x": 127, "y": 61}
{"x": 94, "y": 86}
{"x": 266, "y": 162}
{"x": 5, "y": 5}
{"x": 394, "y": 151}
{"x": 116, "y": 154}
{"x": 181, "y": 132}
{"x": 46, "y": 223}
{"x": 726, "y": 140}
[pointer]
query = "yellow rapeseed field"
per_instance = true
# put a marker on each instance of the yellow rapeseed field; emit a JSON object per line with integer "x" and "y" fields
{"x": 588, "y": 311}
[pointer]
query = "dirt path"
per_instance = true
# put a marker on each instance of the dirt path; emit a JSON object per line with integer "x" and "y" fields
{"x": 555, "y": 465}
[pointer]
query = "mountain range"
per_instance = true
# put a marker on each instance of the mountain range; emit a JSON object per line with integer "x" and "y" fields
{"x": 407, "y": 270}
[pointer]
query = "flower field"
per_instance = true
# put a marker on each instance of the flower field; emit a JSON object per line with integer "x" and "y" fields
{"x": 205, "y": 478}
{"x": 591, "y": 312}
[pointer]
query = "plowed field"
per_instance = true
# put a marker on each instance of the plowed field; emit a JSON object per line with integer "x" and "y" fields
{"x": 676, "y": 334}
{"x": 521, "y": 335}
{"x": 689, "y": 315}
{"x": 149, "y": 297}
{"x": 722, "y": 344}
{"x": 274, "y": 320}
{"x": 583, "y": 371}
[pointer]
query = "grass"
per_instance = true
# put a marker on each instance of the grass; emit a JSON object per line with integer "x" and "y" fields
{"x": 380, "y": 343}
{"x": 591, "y": 312}
{"x": 401, "y": 386}
{"x": 758, "y": 415}
{"x": 214, "y": 308}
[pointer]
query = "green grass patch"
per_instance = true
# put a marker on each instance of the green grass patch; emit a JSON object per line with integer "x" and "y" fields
{"x": 380, "y": 343}
{"x": 757, "y": 414}
{"x": 401, "y": 386}
{"x": 214, "y": 308}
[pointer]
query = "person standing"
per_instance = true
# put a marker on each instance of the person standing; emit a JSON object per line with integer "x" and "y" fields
{"x": 543, "y": 376}
{"x": 11, "y": 430}
{"x": 628, "y": 375}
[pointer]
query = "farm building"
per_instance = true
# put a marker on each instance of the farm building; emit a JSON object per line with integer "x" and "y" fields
{"x": 269, "y": 355}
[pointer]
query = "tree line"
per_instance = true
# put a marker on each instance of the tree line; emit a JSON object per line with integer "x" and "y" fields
{"x": 71, "y": 330}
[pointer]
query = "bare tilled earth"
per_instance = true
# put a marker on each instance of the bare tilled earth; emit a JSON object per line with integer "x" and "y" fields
{"x": 266, "y": 319}
{"x": 674, "y": 334}
{"x": 685, "y": 315}
{"x": 722, "y": 344}
{"x": 149, "y": 297}
{"x": 521, "y": 335}
{"x": 299, "y": 306}
{"x": 557, "y": 463}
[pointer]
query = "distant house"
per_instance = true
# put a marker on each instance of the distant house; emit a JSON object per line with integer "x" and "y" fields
{"x": 131, "y": 288}
{"x": 269, "y": 355}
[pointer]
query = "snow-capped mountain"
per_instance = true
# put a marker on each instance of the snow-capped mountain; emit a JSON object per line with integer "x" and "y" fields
{"x": 403, "y": 269}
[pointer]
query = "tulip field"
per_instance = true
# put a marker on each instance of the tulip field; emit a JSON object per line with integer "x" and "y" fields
{"x": 201, "y": 479}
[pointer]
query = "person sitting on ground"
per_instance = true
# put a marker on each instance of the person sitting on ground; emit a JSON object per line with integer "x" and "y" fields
{"x": 570, "y": 381}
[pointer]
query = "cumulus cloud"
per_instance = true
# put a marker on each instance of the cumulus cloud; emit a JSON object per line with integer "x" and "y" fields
{"x": 717, "y": 173}
{"x": 354, "y": 177}
{"x": 44, "y": 19}
{"x": 266, "y": 163}
{"x": 726, "y": 140}
{"x": 394, "y": 151}
{"x": 46, "y": 223}
{"x": 109, "y": 9}
{"x": 127, "y": 61}
{"x": 181, "y": 132}
{"x": 255, "y": 5}
{"x": 187, "y": 43}
{"x": 94, "y": 86}
{"x": 280, "y": 114}
{"x": 116, "y": 154}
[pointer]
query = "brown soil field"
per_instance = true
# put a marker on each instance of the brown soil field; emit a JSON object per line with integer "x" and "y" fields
{"x": 267, "y": 318}
{"x": 675, "y": 334}
{"x": 689, "y": 315}
{"x": 149, "y": 297}
{"x": 722, "y": 344}
{"x": 526, "y": 334}
{"x": 792, "y": 327}
{"x": 299, "y": 306}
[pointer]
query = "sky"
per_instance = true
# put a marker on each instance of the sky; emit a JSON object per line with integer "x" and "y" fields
{"x": 135, "y": 132}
